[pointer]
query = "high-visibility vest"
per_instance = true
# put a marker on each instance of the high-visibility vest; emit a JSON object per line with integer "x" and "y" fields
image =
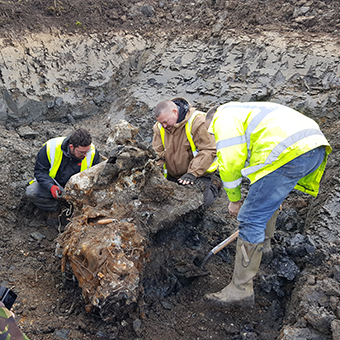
{"x": 254, "y": 139}
{"x": 188, "y": 128}
{"x": 55, "y": 155}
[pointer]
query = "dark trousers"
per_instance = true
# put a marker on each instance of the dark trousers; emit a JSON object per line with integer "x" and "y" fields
{"x": 42, "y": 198}
{"x": 210, "y": 192}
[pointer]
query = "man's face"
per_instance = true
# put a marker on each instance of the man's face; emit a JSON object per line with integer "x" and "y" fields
{"x": 168, "y": 119}
{"x": 79, "y": 151}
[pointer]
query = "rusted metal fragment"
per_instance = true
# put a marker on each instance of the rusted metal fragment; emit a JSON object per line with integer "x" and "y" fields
{"x": 106, "y": 261}
{"x": 136, "y": 201}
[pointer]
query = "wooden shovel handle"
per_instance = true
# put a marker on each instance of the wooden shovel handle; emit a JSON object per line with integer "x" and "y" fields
{"x": 224, "y": 243}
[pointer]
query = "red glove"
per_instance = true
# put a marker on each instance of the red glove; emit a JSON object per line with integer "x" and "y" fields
{"x": 56, "y": 192}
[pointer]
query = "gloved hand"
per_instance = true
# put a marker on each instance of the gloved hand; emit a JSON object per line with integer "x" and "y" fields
{"x": 56, "y": 192}
{"x": 200, "y": 184}
{"x": 187, "y": 178}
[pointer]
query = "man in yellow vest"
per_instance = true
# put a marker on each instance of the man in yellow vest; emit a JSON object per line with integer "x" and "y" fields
{"x": 189, "y": 150}
{"x": 58, "y": 160}
{"x": 278, "y": 149}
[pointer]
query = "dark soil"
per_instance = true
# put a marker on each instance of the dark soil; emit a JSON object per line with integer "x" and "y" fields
{"x": 173, "y": 17}
{"x": 50, "y": 306}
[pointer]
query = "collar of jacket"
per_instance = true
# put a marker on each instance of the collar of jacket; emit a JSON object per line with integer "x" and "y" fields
{"x": 181, "y": 125}
{"x": 183, "y": 108}
{"x": 66, "y": 149}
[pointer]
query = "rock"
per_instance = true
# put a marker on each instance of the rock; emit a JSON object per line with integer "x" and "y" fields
{"x": 320, "y": 319}
{"x": 147, "y": 10}
{"x": 26, "y": 132}
{"x": 62, "y": 333}
{"x": 307, "y": 21}
{"x": 330, "y": 287}
{"x": 336, "y": 272}
{"x": 335, "y": 326}
{"x": 121, "y": 133}
{"x": 299, "y": 246}
{"x": 300, "y": 11}
{"x": 38, "y": 236}
{"x": 292, "y": 333}
{"x": 136, "y": 326}
{"x": 285, "y": 267}
{"x": 71, "y": 120}
{"x": 166, "y": 305}
{"x": 287, "y": 220}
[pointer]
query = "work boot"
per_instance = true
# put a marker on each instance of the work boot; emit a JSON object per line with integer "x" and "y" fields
{"x": 269, "y": 235}
{"x": 240, "y": 290}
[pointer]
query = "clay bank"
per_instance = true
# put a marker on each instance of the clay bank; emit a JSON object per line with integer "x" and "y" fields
{"x": 53, "y": 83}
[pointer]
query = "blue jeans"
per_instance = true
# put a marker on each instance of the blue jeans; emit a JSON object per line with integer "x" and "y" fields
{"x": 266, "y": 195}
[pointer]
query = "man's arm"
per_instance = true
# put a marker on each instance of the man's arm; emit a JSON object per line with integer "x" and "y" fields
{"x": 231, "y": 152}
{"x": 205, "y": 144}
{"x": 41, "y": 170}
{"x": 96, "y": 158}
{"x": 157, "y": 141}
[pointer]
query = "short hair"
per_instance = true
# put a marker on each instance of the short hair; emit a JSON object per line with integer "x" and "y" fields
{"x": 165, "y": 105}
{"x": 210, "y": 114}
{"x": 80, "y": 137}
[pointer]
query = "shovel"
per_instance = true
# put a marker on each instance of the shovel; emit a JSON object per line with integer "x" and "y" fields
{"x": 220, "y": 246}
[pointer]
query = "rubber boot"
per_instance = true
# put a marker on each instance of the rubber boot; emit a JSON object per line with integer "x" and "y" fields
{"x": 269, "y": 234}
{"x": 240, "y": 291}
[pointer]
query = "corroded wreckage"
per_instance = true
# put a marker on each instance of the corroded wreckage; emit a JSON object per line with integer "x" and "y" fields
{"x": 118, "y": 205}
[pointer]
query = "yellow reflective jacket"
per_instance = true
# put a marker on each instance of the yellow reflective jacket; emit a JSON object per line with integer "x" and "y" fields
{"x": 254, "y": 139}
{"x": 55, "y": 155}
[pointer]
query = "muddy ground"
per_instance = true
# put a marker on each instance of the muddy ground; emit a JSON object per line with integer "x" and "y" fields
{"x": 297, "y": 293}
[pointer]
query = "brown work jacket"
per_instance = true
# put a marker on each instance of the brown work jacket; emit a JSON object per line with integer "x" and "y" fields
{"x": 178, "y": 155}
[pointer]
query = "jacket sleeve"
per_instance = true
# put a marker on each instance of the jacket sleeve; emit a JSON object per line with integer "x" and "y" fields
{"x": 157, "y": 141}
{"x": 96, "y": 158}
{"x": 41, "y": 170}
{"x": 231, "y": 152}
{"x": 9, "y": 326}
{"x": 206, "y": 146}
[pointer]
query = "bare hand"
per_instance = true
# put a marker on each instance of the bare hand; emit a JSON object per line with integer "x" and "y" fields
{"x": 183, "y": 182}
{"x": 234, "y": 208}
{"x": 187, "y": 179}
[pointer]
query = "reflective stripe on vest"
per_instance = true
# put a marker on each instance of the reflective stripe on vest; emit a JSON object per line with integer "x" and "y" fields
{"x": 55, "y": 155}
{"x": 233, "y": 184}
{"x": 162, "y": 133}
{"x": 276, "y": 152}
{"x": 188, "y": 127}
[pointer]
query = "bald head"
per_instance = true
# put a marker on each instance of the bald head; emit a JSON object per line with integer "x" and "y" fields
{"x": 166, "y": 113}
{"x": 165, "y": 106}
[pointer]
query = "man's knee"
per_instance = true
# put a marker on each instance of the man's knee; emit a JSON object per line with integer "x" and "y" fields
{"x": 30, "y": 192}
{"x": 210, "y": 194}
